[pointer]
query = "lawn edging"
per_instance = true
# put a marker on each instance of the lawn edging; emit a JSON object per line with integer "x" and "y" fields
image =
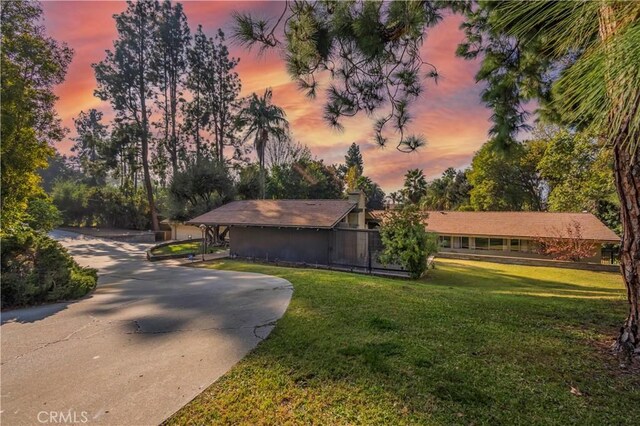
{"x": 158, "y": 257}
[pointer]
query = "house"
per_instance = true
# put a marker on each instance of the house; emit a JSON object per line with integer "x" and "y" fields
{"x": 296, "y": 231}
{"x": 513, "y": 234}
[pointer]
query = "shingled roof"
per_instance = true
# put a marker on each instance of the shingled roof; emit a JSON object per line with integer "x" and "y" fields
{"x": 514, "y": 224}
{"x": 323, "y": 214}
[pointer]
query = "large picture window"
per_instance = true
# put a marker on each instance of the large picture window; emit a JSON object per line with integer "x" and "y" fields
{"x": 496, "y": 244}
{"x": 464, "y": 242}
{"x": 515, "y": 245}
{"x": 445, "y": 241}
{"x": 482, "y": 244}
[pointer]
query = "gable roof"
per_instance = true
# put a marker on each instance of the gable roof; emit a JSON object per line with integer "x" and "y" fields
{"x": 278, "y": 213}
{"x": 515, "y": 224}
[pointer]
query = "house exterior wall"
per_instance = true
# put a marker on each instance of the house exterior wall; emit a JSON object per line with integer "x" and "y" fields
{"x": 523, "y": 248}
{"x": 182, "y": 232}
{"x": 281, "y": 244}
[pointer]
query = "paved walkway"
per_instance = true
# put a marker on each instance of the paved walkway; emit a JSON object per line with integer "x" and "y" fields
{"x": 149, "y": 339}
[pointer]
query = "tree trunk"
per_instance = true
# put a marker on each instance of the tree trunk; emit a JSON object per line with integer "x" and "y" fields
{"x": 144, "y": 139}
{"x": 627, "y": 174}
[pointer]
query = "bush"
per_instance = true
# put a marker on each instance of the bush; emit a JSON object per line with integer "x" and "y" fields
{"x": 406, "y": 241}
{"x": 37, "y": 269}
{"x": 42, "y": 214}
{"x": 105, "y": 206}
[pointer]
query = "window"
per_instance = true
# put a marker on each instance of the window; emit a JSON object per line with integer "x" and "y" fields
{"x": 482, "y": 244}
{"x": 496, "y": 244}
{"x": 525, "y": 246}
{"x": 464, "y": 242}
{"x": 445, "y": 241}
{"x": 515, "y": 245}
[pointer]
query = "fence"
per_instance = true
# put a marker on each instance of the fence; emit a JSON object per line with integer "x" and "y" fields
{"x": 359, "y": 250}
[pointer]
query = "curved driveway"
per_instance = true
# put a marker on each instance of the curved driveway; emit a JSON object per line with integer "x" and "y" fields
{"x": 149, "y": 339}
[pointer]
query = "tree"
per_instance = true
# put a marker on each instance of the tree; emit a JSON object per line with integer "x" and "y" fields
{"x": 415, "y": 186}
{"x": 198, "y": 189}
{"x": 248, "y": 186}
{"x": 567, "y": 244}
{"x": 354, "y": 159}
{"x": 126, "y": 78}
{"x": 263, "y": 122}
{"x": 304, "y": 179}
{"x": 170, "y": 63}
{"x": 32, "y": 64}
{"x": 372, "y": 191}
{"x": 371, "y": 51}
{"x": 579, "y": 173}
{"x": 395, "y": 198}
{"x": 283, "y": 151}
{"x": 580, "y": 61}
{"x": 90, "y": 145}
{"x": 506, "y": 181}
{"x": 406, "y": 241}
{"x": 215, "y": 86}
{"x": 448, "y": 192}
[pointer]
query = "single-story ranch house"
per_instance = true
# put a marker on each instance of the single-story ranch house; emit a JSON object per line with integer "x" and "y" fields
{"x": 513, "y": 234}
{"x": 342, "y": 232}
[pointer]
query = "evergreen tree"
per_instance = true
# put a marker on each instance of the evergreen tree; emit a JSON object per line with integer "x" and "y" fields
{"x": 90, "y": 145}
{"x": 415, "y": 186}
{"x": 354, "y": 159}
{"x": 170, "y": 64}
{"x": 126, "y": 78}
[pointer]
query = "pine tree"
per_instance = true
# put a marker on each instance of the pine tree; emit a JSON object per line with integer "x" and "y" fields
{"x": 126, "y": 78}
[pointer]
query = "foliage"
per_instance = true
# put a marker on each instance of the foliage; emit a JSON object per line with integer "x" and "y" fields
{"x": 248, "y": 185}
{"x": 37, "y": 269}
{"x": 444, "y": 350}
{"x": 372, "y": 191}
{"x": 449, "y": 192}
{"x": 304, "y": 179}
{"x": 32, "y": 64}
{"x": 406, "y": 241}
{"x": 415, "y": 186}
{"x": 507, "y": 180}
{"x": 198, "y": 189}
{"x": 371, "y": 51}
{"x": 284, "y": 151}
{"x": 263, "y": 121}
{"x": 105, "y": 206}
{"x": 170, "y": 64}
{"x": 42, "y": 214}
{"x": 126, "y": 78}
{"x": 353, "y": 160}
{"x": 567, "y": 244}
{"x": 215, "y": 86}
{"x": 59, "y": 167}
{"x": 90, "y": 146}
{"x": 579, "y": 173}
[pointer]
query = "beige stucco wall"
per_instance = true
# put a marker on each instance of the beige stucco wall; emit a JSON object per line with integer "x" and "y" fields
{"x": 182, "y": 232}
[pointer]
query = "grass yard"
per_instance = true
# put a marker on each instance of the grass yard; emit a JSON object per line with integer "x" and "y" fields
{"x": 187, "y": 247}
{"x": 474, "y": 343}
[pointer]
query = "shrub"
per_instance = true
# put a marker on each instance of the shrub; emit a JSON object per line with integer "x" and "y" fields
{"x": 42, "y": 214}
{"x": 406, "y": 241}
{"x": 37, "y": 269}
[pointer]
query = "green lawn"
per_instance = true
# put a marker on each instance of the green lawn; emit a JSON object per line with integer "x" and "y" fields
{"x": 474, "y": 343}
{"x": 183, "y": 248}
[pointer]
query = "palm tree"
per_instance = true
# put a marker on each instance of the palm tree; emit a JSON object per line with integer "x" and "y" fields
{"x": 263, "y": 121}
{"x": 415, "y": 186}
{"x": 580, "y": 59}
{"x": 394, "y": 198}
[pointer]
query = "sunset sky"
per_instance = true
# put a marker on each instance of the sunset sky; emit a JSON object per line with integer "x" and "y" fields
{"x": 449, "y": 114}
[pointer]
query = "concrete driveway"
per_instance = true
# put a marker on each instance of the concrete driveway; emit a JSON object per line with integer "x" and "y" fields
{"x": 148, "y": 340}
